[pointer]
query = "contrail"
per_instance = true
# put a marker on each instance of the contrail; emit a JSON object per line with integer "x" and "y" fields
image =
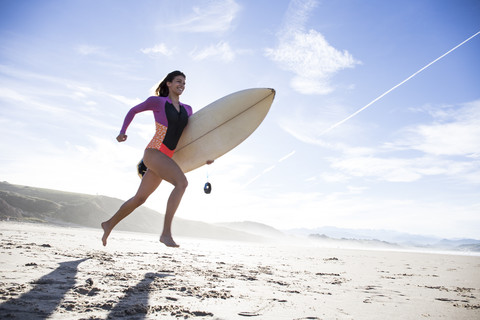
{"x": 269, "y": 168}
{"x": 366, "y": 106}
{"x": 398, "y": 85}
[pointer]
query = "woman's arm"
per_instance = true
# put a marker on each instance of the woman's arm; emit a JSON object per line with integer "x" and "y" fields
{"x": 148, "y": 104}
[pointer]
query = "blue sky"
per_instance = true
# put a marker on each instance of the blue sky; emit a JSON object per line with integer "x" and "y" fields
{"x": 70, "y": 70}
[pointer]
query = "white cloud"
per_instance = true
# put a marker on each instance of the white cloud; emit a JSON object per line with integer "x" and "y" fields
{"x": 386, "y": 169}
{"x": 7, "y": 93}
{"x": 127, "y": 101}
{"x": 209, "y": 16}
{"x": 65, "y": 88}
{"x": 448, "y": 139}
{"x": 87, "y": 50}
{"x": 450, "y": 146}
{"x": 298, "y": 13}
{"x": 311, "y": 59}
{"x": 221, "y": 51}
{"x": 310, "y": 85}
{"x": 18, "y": 99}
{"x": 455, "y": 131}
{"x": 308, "y": 54}
{"x": 159, "y": 49}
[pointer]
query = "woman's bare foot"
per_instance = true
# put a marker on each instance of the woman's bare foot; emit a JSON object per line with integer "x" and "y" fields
{"x": 106, "y": 233}
{"x": 168, "y": 241}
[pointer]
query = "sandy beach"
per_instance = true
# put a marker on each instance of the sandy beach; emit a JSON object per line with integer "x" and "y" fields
{"x": 52, "y": 272}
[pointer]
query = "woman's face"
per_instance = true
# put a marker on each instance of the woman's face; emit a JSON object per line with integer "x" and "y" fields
{"x": 177, "y": 85}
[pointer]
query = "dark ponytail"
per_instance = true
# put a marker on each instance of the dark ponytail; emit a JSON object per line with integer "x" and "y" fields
{"x": 162, "y": 90}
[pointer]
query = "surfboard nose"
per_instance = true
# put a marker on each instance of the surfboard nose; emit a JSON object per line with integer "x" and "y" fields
{"x": 273, "y": 92}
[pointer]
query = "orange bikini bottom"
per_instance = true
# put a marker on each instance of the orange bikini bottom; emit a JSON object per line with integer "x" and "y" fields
{"x": 163, "y": 149}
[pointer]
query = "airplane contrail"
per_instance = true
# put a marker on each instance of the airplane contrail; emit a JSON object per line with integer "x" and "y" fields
{"x": 269, "y": 168}
{"x": 398, "y": 85}
{"x": 366, "y": 106}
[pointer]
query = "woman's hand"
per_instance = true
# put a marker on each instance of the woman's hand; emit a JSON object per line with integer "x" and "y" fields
{"x": 121, "y": 137}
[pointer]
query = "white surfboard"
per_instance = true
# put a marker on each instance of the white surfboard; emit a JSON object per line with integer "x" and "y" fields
{"x": 221, "y": 126}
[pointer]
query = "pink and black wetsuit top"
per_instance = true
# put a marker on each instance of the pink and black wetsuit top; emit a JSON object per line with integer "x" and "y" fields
{"x": 168, "y": 121}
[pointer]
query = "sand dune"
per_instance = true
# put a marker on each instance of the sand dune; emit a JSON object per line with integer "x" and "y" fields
{"x": 64, "y": 273}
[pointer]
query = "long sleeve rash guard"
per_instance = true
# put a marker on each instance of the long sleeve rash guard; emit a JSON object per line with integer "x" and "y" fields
{"x": 168, "y": 121}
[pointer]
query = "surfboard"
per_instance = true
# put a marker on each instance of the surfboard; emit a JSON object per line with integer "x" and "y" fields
{"x": 219, "y": 127}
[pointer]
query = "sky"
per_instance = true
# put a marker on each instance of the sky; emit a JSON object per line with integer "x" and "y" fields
{"x": 408, "y": 162}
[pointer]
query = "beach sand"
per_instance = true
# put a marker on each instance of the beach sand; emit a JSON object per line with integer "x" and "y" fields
{"x": 65, "y": 273}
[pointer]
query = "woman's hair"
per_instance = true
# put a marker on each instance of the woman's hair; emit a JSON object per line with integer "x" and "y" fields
{"x": 162, "y": 90}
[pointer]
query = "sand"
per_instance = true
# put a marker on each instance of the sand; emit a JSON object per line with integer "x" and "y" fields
{"x": 52, "y": 272}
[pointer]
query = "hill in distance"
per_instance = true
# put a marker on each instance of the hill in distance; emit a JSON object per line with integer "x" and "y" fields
{"x": 30, "y": 204}
{"x": 387, "y": 239}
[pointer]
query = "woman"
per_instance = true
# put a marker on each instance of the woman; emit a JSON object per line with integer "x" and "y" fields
{"x": 171, "y": 117}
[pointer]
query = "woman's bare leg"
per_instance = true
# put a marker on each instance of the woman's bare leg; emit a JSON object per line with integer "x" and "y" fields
{"x": 168, "y": 169}
{"x": 149, "y": 184}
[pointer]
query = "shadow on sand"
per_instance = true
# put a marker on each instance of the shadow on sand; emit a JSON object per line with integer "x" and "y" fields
{"x": 135, "y": 304}
{"x": 45, "y": 296}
